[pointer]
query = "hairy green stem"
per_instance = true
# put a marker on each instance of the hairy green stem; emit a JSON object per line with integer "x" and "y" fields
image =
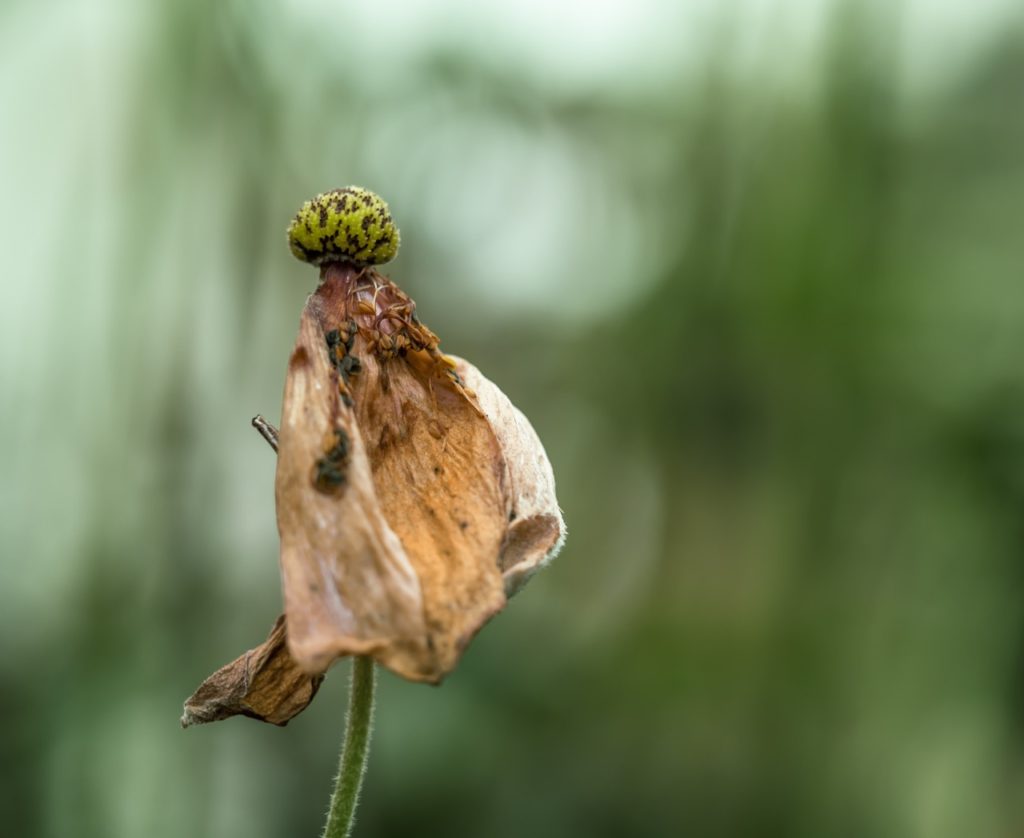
{"x": 352, "y": 764}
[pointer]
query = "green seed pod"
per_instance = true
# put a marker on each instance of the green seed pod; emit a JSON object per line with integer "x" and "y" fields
{"x": 344, "y": 225}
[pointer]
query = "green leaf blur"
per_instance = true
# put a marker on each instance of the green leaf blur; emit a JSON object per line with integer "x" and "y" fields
{"x": 756, "y": 277}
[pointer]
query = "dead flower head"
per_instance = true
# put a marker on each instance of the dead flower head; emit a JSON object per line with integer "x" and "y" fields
{"x": 412, "y": 497}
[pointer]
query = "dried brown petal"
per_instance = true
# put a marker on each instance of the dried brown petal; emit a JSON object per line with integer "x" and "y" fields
{"x": 391, "y": 549}
{"x": 265, "y": 683}
{"x": 536, "y": 530}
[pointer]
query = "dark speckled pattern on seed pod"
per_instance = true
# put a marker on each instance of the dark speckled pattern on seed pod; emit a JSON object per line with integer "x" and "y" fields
{"x": 351, "y": 224}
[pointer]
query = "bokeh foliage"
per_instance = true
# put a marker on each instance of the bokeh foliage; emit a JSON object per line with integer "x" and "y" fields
{"x": 768, "y": 325}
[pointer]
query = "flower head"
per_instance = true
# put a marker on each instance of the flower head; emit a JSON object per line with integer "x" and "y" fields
{"x": 412, "y": 497}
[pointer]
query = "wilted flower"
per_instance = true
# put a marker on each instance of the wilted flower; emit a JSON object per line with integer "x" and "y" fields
{"x": 412, "y": 497}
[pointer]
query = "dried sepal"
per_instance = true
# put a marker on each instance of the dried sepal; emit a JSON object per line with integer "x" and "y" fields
{"x": 265, "y": 683}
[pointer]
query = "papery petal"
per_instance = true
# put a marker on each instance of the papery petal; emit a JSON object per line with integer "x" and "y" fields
{"x": 536, "y": 529}
{"x": 398, "y": 556}
{"x": 349, "y": 587}
{"x": 265, "y": 683}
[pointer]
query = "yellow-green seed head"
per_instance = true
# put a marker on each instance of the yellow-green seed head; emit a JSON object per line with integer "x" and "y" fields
{"x": 351, "y": 224}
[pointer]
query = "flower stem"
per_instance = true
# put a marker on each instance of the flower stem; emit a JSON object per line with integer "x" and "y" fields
{"x": 352, "y": 764}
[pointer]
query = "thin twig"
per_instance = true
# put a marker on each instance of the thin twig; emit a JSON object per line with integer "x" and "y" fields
{"x": 267, "y": 431}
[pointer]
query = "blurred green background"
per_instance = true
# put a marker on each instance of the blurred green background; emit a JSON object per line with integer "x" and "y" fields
{"x": 755, "y": 271}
